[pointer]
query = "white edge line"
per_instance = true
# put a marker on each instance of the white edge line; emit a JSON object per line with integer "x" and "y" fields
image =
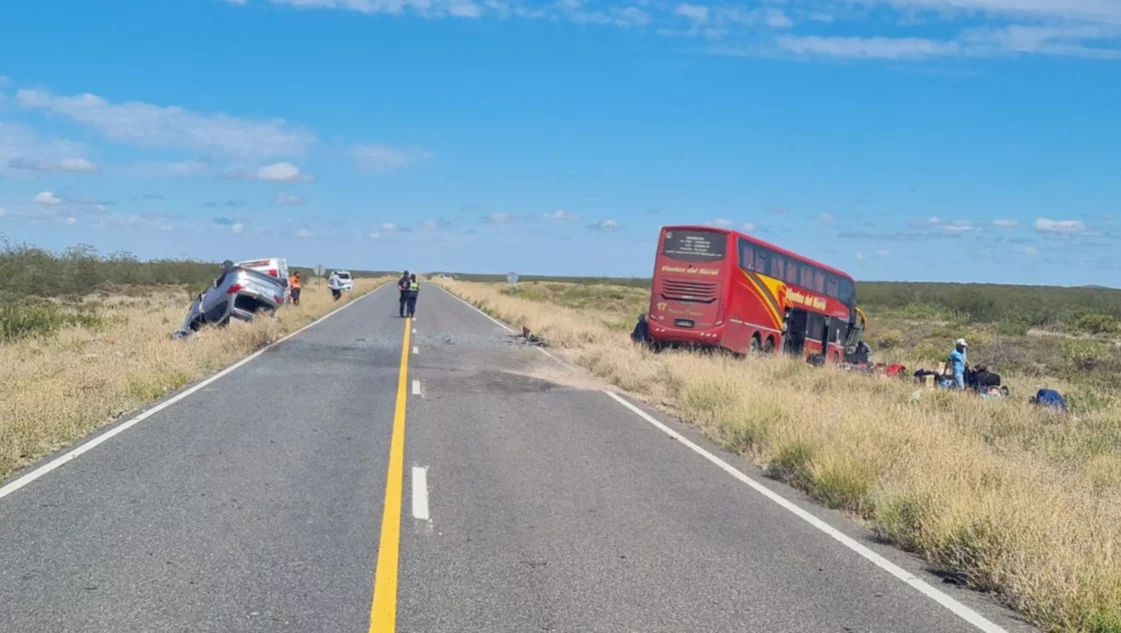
{"x": 957, "y": 608}
{"x": 416, "y": 350}
{"x": 420, "y": 493}
{"x": 78, "y": 451}
{"x": 416, "y": 387}
{"x": 504, "y": 326}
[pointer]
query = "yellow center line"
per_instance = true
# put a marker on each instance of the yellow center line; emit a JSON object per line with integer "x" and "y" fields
{"x": 383, "y": 612}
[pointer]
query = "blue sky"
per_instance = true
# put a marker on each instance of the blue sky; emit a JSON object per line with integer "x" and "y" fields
{"x": 960, "y": 140}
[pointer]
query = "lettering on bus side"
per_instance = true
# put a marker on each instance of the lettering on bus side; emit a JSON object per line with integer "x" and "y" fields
{"x": 691, "y": 271}
{"x": 811, "y": 301}
{"x": 677, "y": 310}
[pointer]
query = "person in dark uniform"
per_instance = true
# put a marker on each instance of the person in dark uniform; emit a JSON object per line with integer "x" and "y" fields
{"x": 414, "y": 291}
{"x": 403, "y": 287}
{"x": 641, "y": 333}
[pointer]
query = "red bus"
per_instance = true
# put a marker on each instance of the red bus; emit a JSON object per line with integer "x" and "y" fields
{"x": 721, "y": 288}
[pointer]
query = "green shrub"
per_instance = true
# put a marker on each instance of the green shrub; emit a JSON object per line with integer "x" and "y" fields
{"x": 1084, "y": 356}
{"x": 1089, "y": 400}
{"x": 890, "y": 339}
{"x": 1012, "y": 327}
{"x": 21, "y": 318}
{"x": 1096, "y": 324}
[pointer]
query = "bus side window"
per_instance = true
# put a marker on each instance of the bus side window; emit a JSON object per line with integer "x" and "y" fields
{"x": 819, "y": 282}
{"x": 747, "y": 255}
{"x": 778, "y": 266}
{"x": 831, "y": 286}
{"x": 792, "y": 272}
{"x": 847, "y": 292}
{"x": 761, "y": 261}
{"x": 807, "y": 276}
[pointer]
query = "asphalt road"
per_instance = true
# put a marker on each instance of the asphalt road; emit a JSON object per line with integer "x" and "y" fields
{"x": 256, "y": 504}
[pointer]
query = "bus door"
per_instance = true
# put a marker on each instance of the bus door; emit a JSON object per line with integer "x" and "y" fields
{"x": 794, "y": 341}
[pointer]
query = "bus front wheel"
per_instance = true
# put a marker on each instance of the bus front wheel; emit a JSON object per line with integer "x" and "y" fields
{"x": 754, "y": 348}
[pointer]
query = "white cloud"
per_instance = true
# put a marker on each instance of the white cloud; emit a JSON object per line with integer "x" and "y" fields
{"x": 237, "y": 2}
{"x": 77, "y": 164}
{"x": 22, "y": 148}
{"x": 47, "y": 198}
{"x": 1003, "y": 223}
{"x": 4, "y": 81}
{"x": 303, "y": 233}
{"x": 1060, "y": 227}
{"x": 286, "y": 199}
{"x": 561, "y": 214}
{"x": 860, "y": 255}
{"x": 70, "y": 221}
{"x": 883, "y": 252}
{"x": 605, "y": 225}
{"x": 152, "y": 125}
{"x": 375, "y": 235}
{"x": 237, "y": 227}
{"x": 1088, "y": 40}
{"x": 390, "y": 227}
{"x": 498, "y": 217}
{"x": 1065, "y": 40}
{"x": 1085, "y": 10}
{"x": 867, "y": 47}
{"x": 381, "y": 157}
{"x": 695, "y": 13}
{"x": 749, "y": 227}
{"x": 422, "y": 8}
{"x": 826, "y": 217}
{"x": 1027, "y": 250}
{"x": 187, "y": 167}
{"x": 958, "y": 226}
{"x": 277, "y": 172}
{"x": 3, "y": 212}
{"x": 777, "y": 19}
{"x": 721, "y": 222}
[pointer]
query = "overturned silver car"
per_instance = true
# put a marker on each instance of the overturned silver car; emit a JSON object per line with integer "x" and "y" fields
{"x": 238, "y": 293}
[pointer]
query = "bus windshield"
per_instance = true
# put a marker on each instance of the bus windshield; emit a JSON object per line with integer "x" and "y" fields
{"x": 695, "y": 245}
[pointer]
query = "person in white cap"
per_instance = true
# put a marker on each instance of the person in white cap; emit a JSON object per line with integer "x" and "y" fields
{"x": 959, "y": 363}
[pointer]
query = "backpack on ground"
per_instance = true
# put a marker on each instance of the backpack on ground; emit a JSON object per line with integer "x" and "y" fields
{"x": 1051, "y": 399}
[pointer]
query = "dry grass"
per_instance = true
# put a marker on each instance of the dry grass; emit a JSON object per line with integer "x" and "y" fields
{"x": 57, "y": 389}
{"x": 1020, "y": 502}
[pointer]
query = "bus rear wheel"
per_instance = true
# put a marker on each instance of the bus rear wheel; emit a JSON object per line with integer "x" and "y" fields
{"x": 769, "y": 346}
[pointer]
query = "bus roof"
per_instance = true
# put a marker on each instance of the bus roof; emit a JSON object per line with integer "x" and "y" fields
{"x": 755, "y": 240}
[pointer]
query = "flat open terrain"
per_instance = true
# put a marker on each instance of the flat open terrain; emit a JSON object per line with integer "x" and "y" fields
{"x": 528, "y": 499}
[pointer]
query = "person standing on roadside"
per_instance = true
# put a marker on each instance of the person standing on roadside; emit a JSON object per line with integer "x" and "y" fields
{"x": 294, "y": 284}
{"x": 959, "y": 362}
{"x": 403, "y": 288}
{"x": 414, "y": 291}
{"x": 336, "y": 286}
